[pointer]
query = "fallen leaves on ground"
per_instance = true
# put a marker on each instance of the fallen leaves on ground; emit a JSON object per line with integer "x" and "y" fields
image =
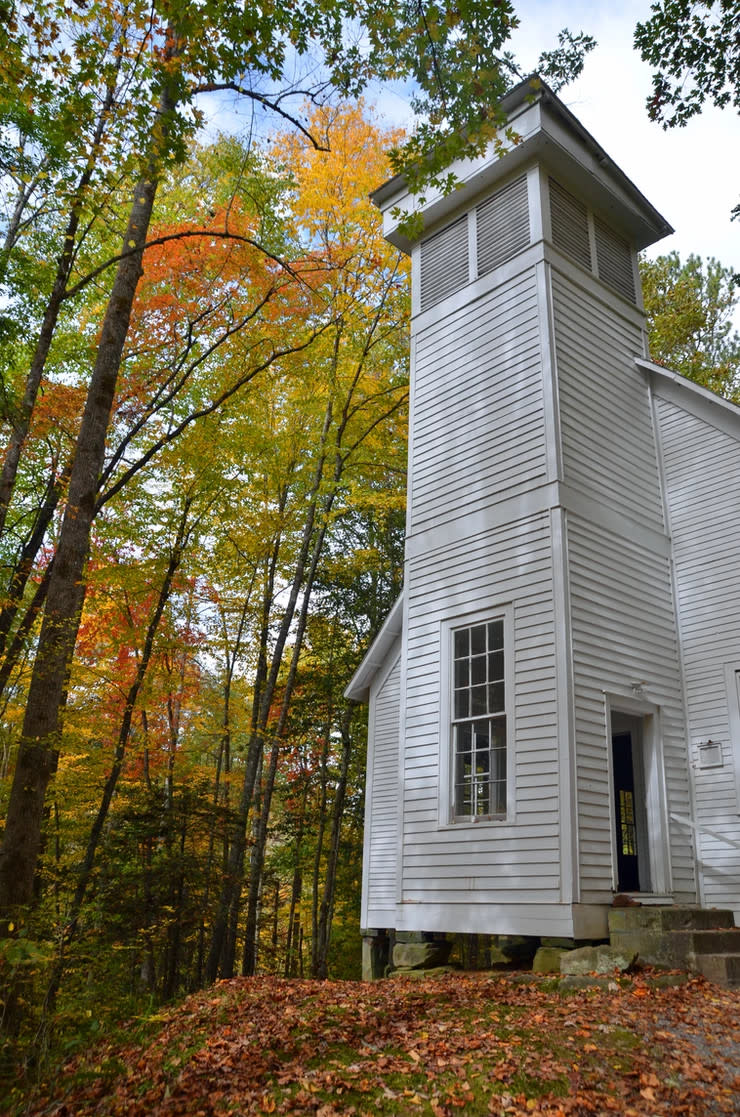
{"x": 456, "y": 1044}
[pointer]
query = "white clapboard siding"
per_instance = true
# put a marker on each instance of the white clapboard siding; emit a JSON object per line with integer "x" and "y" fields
{"x": 623, "y": 631}
{"x": 482, "y": 863}
{"x": 478, "y": 409}
{"x": 381, "y": 833}
{"x": 702, "y": 476}
{"x": 609, "y": 450}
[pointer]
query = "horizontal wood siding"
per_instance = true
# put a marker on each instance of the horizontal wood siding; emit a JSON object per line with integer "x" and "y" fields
{"x": 382, "y": 829}
{"x": 623, "y": 632}
{"x": 702, "y": 475}
{"x": 487, "y": 862}
{"x": 609, "y": 450}
{"x": 478, "y": 410}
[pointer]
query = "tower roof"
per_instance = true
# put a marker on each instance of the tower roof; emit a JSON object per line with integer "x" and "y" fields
{"x": 548, "y": 133}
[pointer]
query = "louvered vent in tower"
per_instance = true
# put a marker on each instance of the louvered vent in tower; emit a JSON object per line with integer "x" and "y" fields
{"x": 569, "y": 225}
{"x": 444, "y": 263}
{"x": 614, "y": 260}
{"x": 502, "y": 225}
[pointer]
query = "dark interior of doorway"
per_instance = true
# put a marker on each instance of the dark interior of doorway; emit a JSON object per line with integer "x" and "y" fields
{"x": 629, "y": 807}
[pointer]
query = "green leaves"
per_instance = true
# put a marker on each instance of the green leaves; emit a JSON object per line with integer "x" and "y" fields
{"x": 690, "y": 309}
{"x": 23, "y": 951}
{"x": 566, "y": 62}
{"x": 695, "y": 49}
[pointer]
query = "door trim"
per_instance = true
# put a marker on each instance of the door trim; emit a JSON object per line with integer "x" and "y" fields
{"x": 656, "y": 801}
{"x": 732, "y": 685}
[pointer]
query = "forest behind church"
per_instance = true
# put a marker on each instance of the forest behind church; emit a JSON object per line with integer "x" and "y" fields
{"x": 248, "y": 544}
{"x": 200, "y": 801}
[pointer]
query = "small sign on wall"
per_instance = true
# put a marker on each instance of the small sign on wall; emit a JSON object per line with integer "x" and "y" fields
{"x": 709, "y": 754}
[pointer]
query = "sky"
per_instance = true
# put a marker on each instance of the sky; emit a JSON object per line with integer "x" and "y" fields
{"x": 691, "y": 175}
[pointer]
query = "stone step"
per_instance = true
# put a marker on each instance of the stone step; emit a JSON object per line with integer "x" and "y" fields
{"x": 716, "y": 942}
{"x": 677, "y": 918}
{"x": 703, "y": 940}
{"x": 655, "y": 947}
{"x": 722, "y": 969}
{"x": 675, "y": 948}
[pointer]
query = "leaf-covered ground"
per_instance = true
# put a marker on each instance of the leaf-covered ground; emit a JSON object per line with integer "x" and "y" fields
{"x": 455, "y": 1044}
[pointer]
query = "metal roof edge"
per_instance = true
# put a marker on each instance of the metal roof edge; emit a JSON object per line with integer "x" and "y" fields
{"x": 358, "y": 688}
{"x": 703, "y": 399}
{"x": 605, "y": 161}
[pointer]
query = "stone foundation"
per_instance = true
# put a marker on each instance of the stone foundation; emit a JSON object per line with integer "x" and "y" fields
{"x": 385, "y": 951}
{"x": 376, "y": 951}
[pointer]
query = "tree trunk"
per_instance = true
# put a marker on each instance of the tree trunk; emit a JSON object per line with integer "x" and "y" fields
{"x": 222, "y": 945}
{"x": 326, "y": 911}
{"x": 18, "y": 643}
{"x": 258, "y": 853}
{"x": 220, "y": 955}
{"x": 318, "y": 852}
{"x": 297, "y": 887}
{"x": 174, "y": 932}
{"x": 85, "y": 871}
{"x": 21, "y": 572}
{"x": 16, "y": 217}
{"x": 48, "y": 326}
{"x": 222, "y": 764}
{"x": 275, "y": 922}
{"x": 42, "y": 724}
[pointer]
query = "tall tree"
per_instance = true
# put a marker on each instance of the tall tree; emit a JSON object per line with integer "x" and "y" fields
{"x": 690, "y": 306}
{"x": 694, "y": 47}
{"x": 191, "y": 51}
{"x": 357, "y": 375}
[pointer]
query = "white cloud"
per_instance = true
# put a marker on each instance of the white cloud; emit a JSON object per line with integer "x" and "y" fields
{"x": 692, "y": 174}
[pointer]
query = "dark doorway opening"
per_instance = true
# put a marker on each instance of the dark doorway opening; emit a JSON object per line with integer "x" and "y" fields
{"x": 629, "y": 806}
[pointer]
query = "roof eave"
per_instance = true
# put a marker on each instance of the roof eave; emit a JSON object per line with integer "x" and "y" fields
{"x": 358, "y": 688}
{"x": 716, "y": 410}
{"x": 648, "y": 224}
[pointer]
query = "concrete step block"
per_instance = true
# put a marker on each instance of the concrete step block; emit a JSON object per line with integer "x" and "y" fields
{"x": 675, "y": 949}
{"x": 717, "y": 942}
{"x": 676, "y": 918}
{"x": 722, "y": 969}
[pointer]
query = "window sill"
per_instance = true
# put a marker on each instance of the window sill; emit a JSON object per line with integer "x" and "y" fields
{"x": 471, "y": 823}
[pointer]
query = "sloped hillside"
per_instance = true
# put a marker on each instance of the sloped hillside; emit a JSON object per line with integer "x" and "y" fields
{"x": 458, "y": 1043}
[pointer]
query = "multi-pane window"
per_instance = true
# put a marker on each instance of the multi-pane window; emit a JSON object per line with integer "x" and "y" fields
{"x": 479, "y": 721}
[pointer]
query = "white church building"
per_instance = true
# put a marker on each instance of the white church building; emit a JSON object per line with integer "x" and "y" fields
{"x": 554, "y": 702}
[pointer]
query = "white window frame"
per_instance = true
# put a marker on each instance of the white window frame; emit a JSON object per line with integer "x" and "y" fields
{"x": 447, "y": 817}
